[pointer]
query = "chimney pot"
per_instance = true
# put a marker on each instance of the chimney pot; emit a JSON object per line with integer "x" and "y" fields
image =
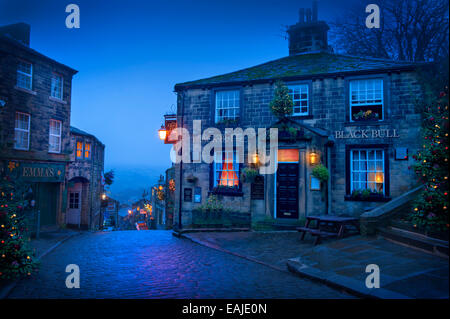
{"x": 308, "y": 15}
{"x": 302, "y": 15}
{"x": 314, "y": 11}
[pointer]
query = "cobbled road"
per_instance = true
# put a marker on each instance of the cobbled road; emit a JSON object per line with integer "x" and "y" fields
{"x": 154, "y": 264}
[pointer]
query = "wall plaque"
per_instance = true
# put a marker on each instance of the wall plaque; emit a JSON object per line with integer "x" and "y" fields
{"x": 257, "y": 188}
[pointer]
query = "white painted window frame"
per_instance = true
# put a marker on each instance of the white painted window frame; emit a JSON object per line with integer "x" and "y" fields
{"x": 301, "y": 87}
{"x": 365, "y": 103}
{"x": 218, "y": 164}
{"x": 17, "y": 129}
{"x": 235, "y": 108}
{"x": 50, "y": 134}
{"x": 61, "y": 90}
{"x": 30, "y": 75}
{"x": 367, "y": 171}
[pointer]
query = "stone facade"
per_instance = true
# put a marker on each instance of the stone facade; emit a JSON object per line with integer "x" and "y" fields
{"x": 85, "y": 173}
{"x": 329, "y": 130}
{"x": 35, "y": 163}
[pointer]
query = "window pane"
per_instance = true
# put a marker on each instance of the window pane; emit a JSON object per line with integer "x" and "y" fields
{"x": 299, "y": 95}
{"x": 367, "y": 170}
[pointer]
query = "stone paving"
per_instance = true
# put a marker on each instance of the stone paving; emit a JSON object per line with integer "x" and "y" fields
{"x": 403, "y": 270}
{"x": 154, "y": 264}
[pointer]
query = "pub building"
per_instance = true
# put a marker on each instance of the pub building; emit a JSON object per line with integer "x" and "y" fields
{"x": 35, "y": 133}
{"x": 356, "y": 116}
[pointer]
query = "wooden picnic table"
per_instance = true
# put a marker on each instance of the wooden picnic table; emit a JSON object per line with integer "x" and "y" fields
{"x": 327, "y": 226}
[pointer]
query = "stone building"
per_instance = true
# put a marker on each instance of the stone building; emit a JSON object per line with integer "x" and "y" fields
{"x": 84, "y": 177}
{"x": 35, "y": 103}
{"x": 62, "y": 164}
{"x": 356, "y": 116}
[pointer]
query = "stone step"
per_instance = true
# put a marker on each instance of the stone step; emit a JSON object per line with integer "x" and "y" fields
{"x": 415, "y": 240}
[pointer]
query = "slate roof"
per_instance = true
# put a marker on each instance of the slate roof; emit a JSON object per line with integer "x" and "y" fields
{"x": 77, "y": 131}
{"x": 22, "y": 46}
{"x": 299, "y": 66}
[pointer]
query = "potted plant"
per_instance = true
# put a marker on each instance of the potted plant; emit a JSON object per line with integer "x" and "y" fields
{"x": 249, "y": 174}
{"x": 368, "y": 115}
{"x": 321, "y": 173}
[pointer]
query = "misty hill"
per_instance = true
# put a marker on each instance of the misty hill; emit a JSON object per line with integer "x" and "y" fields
{"x": 130, "y": 182}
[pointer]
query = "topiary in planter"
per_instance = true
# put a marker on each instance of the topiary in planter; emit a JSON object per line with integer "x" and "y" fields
{"x": 321, "y": 173}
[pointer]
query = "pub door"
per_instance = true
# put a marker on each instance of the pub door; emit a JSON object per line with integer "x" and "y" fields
{"x": 287, "y": 191}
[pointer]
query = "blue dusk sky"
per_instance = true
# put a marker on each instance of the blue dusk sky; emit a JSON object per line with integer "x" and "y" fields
{"x": 130, "y": 54}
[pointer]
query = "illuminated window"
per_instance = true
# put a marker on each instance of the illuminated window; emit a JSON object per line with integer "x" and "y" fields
{"x": 226, "y": 169}
{"x": 227, "y": 105}
{"x": 367, "y": 170}
{"x": 366, "y": 100}
{"x": 79, "y": 149}
{"x": 57, "y": 86}
{"x": 87, "y": 150}
{"x": 287, "y": 155}
{"x": 299, "y": 95}
{"x": 22, "y": 131}
{"x": 54, "y": 142}
{"x": 25, "y": 75}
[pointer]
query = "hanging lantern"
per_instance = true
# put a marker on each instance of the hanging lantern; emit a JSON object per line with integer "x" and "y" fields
{"x": 162, "y": 133}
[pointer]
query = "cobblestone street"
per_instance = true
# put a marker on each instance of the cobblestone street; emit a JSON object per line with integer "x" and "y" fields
{"x": 154, "y": 264}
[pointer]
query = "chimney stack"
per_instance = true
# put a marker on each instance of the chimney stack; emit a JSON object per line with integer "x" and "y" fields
{"x": 309, "y": 34}
{"x": 314, "y": 11}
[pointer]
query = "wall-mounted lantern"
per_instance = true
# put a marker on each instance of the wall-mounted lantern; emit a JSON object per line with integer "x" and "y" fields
{"x": 103, "y": 196}
{"x": 313, "y": 158}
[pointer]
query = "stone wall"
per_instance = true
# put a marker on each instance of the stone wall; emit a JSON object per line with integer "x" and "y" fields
{"x": 330, "y": 112}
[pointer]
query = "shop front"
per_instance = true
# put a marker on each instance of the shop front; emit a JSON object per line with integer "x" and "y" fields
{"x": 46, "y": 182}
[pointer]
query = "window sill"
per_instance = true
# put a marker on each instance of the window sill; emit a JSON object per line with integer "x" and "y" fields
{"x": 25, "y": 90}
{"x": 302, "y": 117}
{"x": 230, "y": 193}
{"x": 371, "y": 198}
{"x": 21, "y": 149}
{"x": 50, "y": 152}
{"x": 367, "y": 123}
{"x": 55, "y": 99}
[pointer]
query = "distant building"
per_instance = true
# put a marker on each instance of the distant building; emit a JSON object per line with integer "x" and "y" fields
{"x": 35, "y": 106}
{"x": 84, "y": 178}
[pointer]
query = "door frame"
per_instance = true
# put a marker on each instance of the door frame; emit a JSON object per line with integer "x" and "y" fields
{"x": 275, "y": 183}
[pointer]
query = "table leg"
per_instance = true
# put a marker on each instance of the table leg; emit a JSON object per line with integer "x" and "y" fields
{"x": 306, "y": 226}
{"x": 341, "y": 230}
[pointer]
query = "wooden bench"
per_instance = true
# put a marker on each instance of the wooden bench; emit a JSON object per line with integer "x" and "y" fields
{"x": 316, "y": 233}
{"x": 337, "y": 224}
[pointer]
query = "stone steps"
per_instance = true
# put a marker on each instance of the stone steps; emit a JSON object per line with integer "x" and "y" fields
{"x": 415, "y": 240}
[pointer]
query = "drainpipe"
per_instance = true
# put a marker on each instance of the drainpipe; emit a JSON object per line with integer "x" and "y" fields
{"x": 328, "y": 150}
{"x": 180, "y": 201}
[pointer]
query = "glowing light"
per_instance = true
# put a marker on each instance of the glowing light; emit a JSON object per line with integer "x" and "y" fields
{"x": 162, "y": 133}
{"x": 313, "y": 158}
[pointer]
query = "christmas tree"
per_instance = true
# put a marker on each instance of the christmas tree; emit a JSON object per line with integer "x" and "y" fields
{"x": 430, "y": 211}
{"x": 281, "y": 105}
{"x": 16, "y": 257}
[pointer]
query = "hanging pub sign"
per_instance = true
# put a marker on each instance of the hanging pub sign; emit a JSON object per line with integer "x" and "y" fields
{"x": 170, "y": 123}
{"x": 35, "y": 172}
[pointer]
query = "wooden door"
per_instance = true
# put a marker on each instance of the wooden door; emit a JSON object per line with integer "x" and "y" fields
{"x": 287, "y": 190}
